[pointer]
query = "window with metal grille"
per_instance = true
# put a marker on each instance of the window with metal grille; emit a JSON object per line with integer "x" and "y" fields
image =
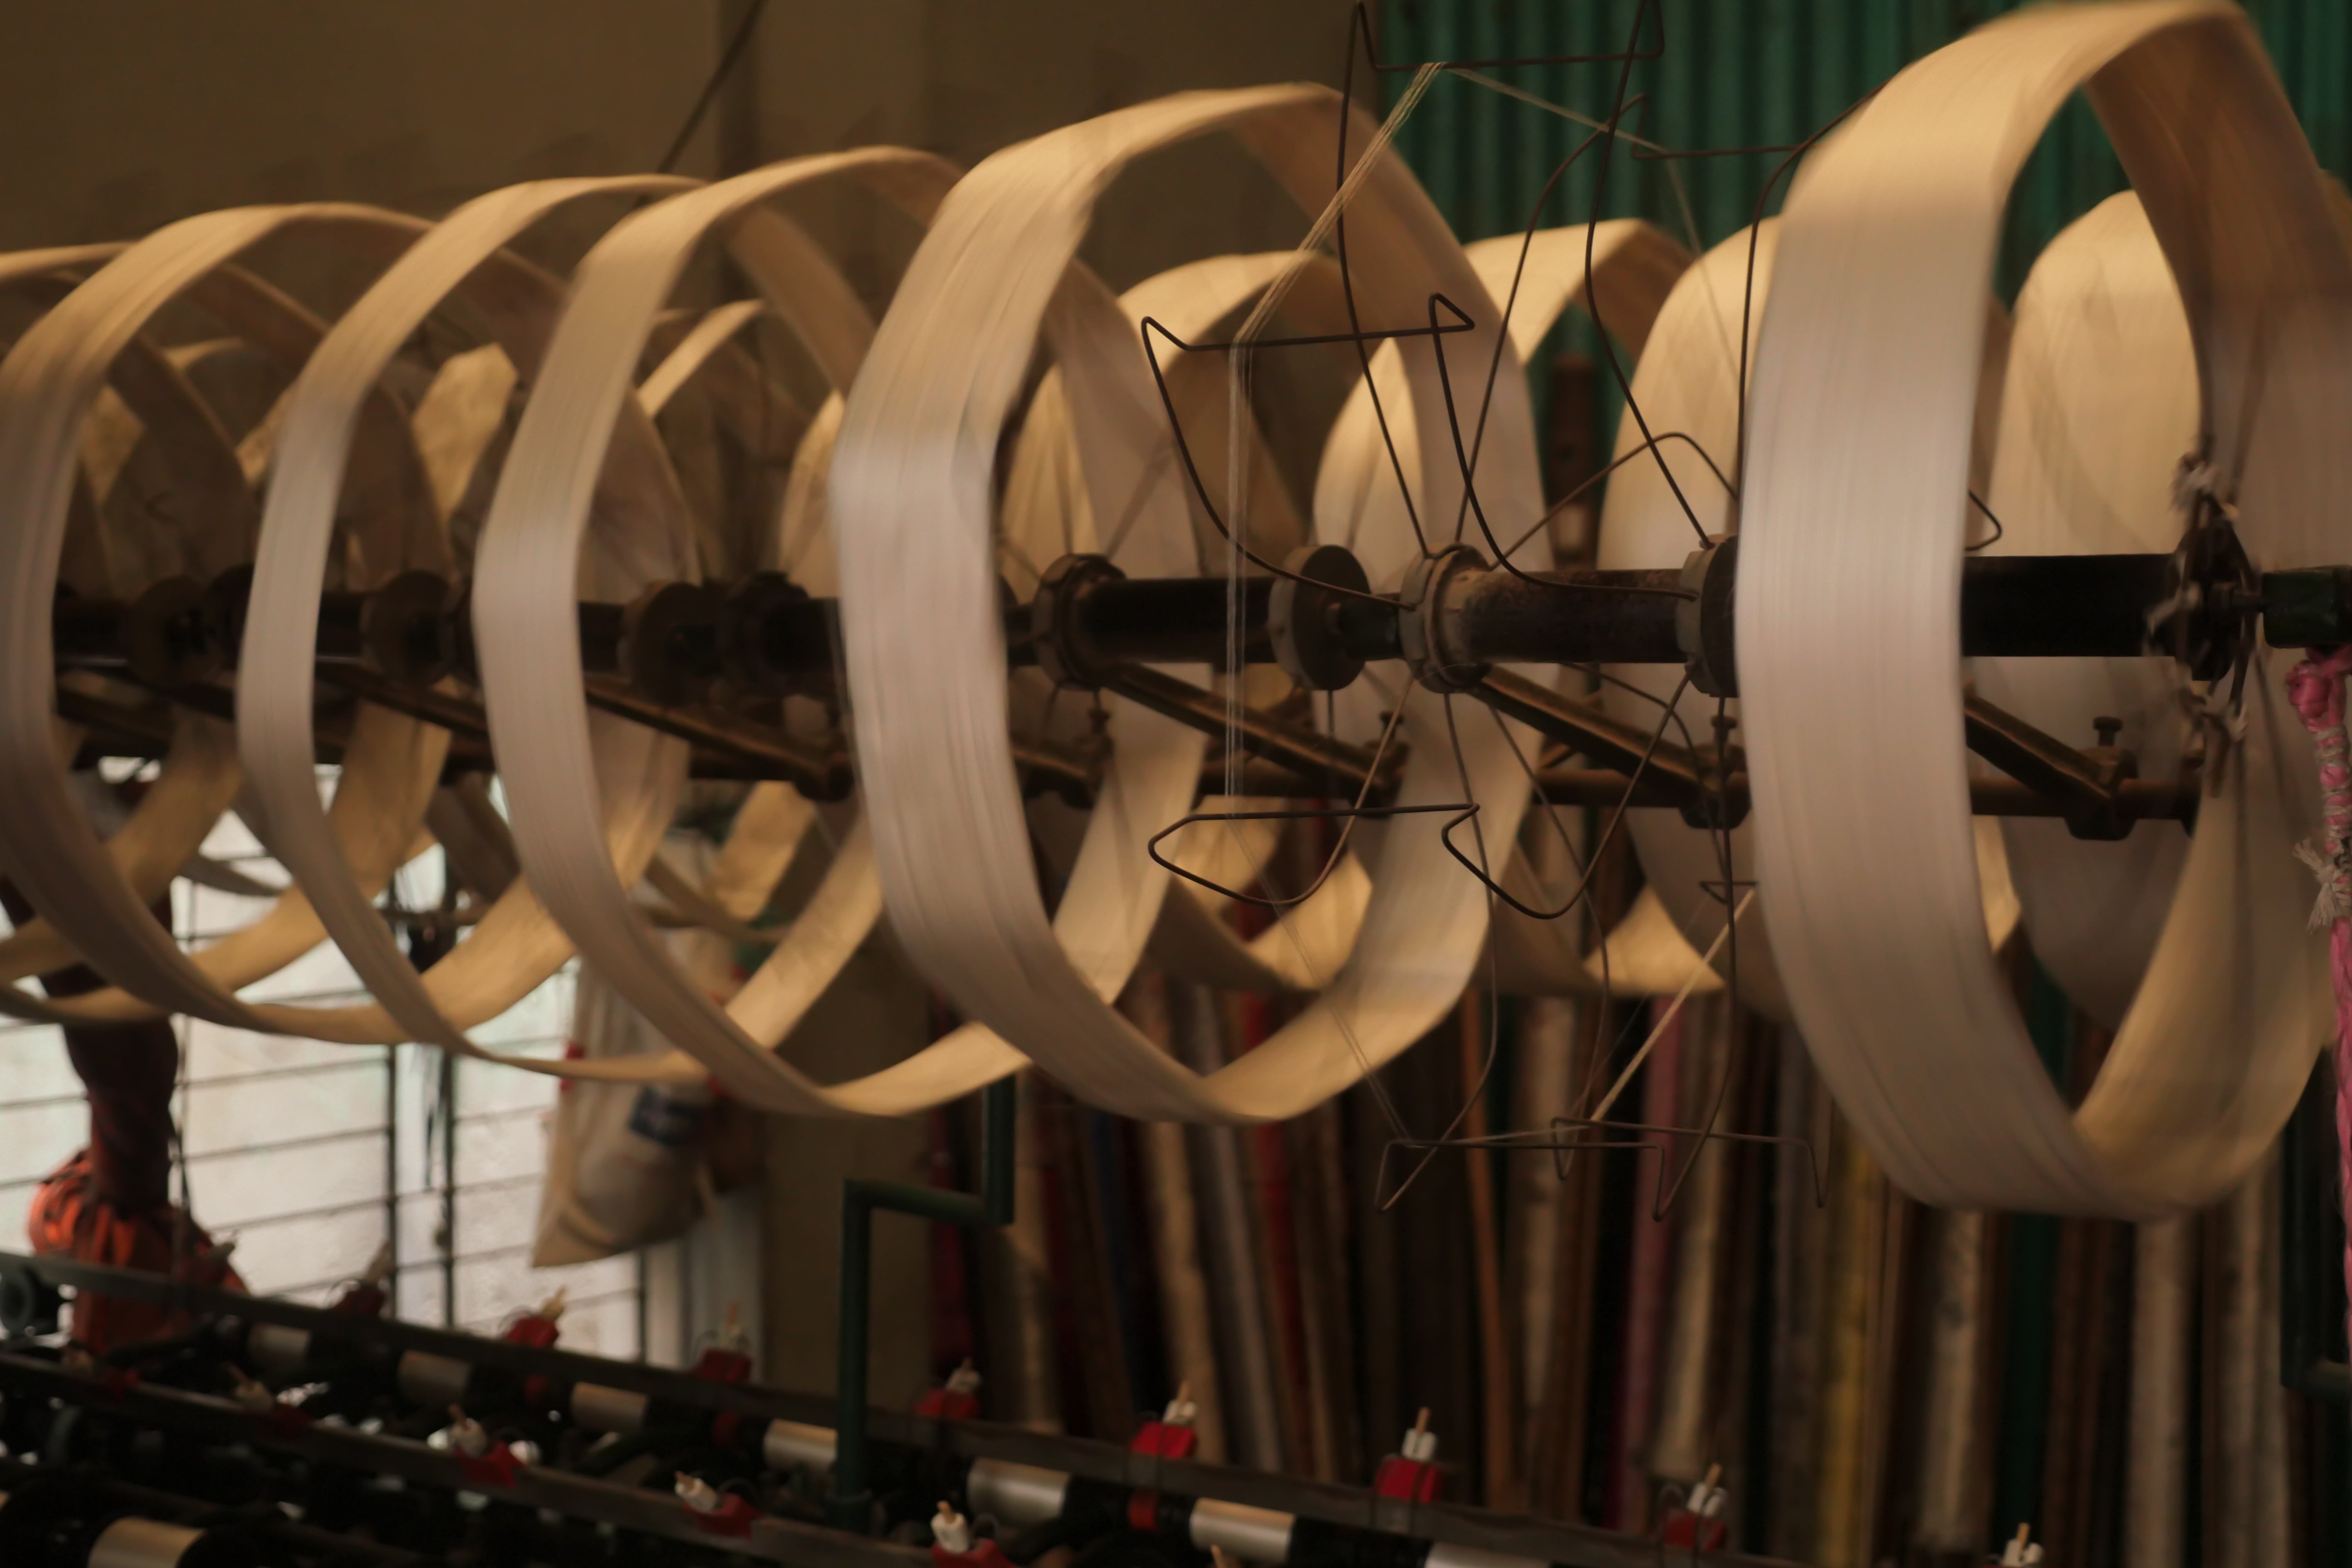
{"x": 313, "y": 1157}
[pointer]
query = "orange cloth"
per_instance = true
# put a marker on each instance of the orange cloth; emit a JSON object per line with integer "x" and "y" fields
{"x": 69, "y": 1218}
{"x": 110, "y": 1202}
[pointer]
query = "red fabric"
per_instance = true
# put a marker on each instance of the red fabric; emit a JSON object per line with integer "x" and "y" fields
{"x": 287, "y": 1419}
{"x": 1162, "y": 1440}
{"x": 533, "y": 1329}
{"x": 361, "y": 1301}
{"x": 947, "y": 1405}
{"x": 129, "y": 1071}
{"x": 1686, "y": 1528}
{"x": 1407, "y": 1481}
{"x": 719, "y": 1365}
{"x": 495, "y": 1469}
{"x": 111, "y": 1202}
{"x": 69, "y": 1217}
{"x": 733, "y": 1516}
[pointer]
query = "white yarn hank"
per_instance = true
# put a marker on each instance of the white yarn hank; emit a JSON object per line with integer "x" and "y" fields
{"x": 1855, "y": 515}
{"x": 911, "y": 489}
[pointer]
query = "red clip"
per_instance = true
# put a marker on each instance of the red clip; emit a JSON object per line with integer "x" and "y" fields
{"x": 949, "y": 1404}
{"x": 720, "y": 1364}
{"x": 115, "y": 1381}
{"x": 952, "y": 1545}
{"x": 1143, "y": 1512}
{"x": 361, "y": 1300}
{"x": 1696, "y": 1524}
{"x": 286, "y": 1418}
{"x": 495, "y": 1469}
{"x": 733, "y": 1516}
{"x": 957, "y": 1400}
{"x": 1411, "y": 1475}
{"x": 1164, "y": 1440}
{"x": 539, "y": 1332}
{"x": 1687, "y": 1531}
{"x": 1407, "y": 1481}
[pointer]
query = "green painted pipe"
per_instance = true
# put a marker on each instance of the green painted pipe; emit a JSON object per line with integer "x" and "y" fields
{"x": 853, "y": 1503}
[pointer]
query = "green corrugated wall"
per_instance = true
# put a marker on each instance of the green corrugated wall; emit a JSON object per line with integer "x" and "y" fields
{"x": 1751, "y": 73}
{"x": 1740, "y": 73}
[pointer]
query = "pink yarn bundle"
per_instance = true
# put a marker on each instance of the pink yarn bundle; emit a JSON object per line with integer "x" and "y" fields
{"x": 2316, "y": 687}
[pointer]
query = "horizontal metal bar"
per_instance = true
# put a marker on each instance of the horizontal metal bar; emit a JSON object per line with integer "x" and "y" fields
{"x": 814, "y": 774}
{"x": 297, "y": 1287}
{"x": 44, "y": 1103}
{"x": 321, "y": 1212}
{"x": 2086, "y": 785}
{"x": 772, "y": 1538}
{"x": 1566, "y": 618}
{"x": 2011, "y": 606}
{"x": 1547, "y": 1541}
{"x": 1048, "y": 767}
{"x": 2033, "y": 757}
{"x": 461, "y": 716}
{"x": 488, "y": 1185}
{"x": 197, "y": 1512}
{"x": 2138, "y": 799}
{"x": 1341, "y": 768}
{"x": 283, "y": 1145}
{"x": 1170, "y": 620}
{"x": 2135, "y": 800}
{"x": 1587, "y": 728}
{"x": 510, "y": 1113}
{"x": 306, "y": 1070}
{"x": 2060, "y": 605}
{"x": 520, "y": 1359}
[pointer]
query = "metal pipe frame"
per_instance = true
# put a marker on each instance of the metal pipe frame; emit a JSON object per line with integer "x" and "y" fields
{"x": 1466, "y": 1530}
{"x": 658, "y": 661}
{"x": 769, "y": 1538}
{"x": 861, "y": 1199}
{"x": 766, "y": 635}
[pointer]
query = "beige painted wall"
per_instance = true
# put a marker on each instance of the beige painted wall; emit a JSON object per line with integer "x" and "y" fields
{"x": 964, "y": 78}
{"x": 118, "y": 115}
